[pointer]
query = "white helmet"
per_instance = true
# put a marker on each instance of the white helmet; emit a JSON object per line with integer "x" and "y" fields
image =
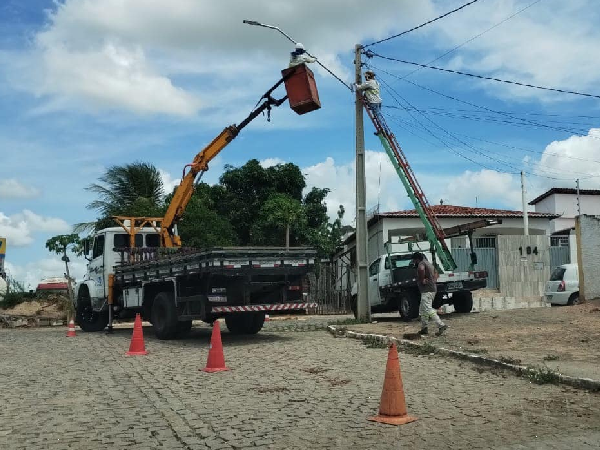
{"x": 299, "y": 46}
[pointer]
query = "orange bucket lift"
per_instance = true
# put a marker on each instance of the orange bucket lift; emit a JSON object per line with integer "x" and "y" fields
{"x": 301, "y": 89}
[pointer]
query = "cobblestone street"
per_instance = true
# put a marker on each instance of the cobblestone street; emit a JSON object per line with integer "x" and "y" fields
{"x": 285, "y": 390}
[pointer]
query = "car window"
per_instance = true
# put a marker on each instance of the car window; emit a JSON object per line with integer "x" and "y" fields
{"x": 98, "y": 249}
{"x": 152, "y": 240}
{"x": 557, "y": 274}
{"x": 374, "y": 268}
{"x": 122, "y": 240}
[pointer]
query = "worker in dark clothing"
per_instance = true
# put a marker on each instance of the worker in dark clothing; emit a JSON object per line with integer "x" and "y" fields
{"x": 426, "y": 280}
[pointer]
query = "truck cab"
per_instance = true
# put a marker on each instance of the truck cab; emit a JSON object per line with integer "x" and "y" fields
{"x": 393, "y": 287}
{"x": 104, "y": 253}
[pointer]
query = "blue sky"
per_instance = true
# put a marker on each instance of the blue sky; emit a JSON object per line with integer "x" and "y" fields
{"x": 86, "y": 84}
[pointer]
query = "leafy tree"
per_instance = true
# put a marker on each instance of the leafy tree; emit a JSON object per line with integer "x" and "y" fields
{"x": 277, "y": 214}
{"x": 133, "y": 189}
{"x": 60, "y": 244}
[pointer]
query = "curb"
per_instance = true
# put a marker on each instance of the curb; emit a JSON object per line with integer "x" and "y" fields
{"x": 522, "y": 371}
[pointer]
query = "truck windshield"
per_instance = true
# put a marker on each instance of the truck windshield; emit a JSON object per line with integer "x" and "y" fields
{"x": 399, "y": 261}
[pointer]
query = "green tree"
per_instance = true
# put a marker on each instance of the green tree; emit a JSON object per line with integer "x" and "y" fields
{"x": 134, "y": 189}
{"x": 278, "y": 214}
{"x": 60, "y": 244}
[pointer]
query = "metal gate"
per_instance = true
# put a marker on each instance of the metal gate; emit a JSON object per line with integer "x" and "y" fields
{"x": 559, "y": 255}
{"x": 487, "y": 259}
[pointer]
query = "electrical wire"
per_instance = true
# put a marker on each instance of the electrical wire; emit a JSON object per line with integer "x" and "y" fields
{"x": 475, "y": 150}
{"x": 422, "y": 25}
{"x": 370, "y": 54}
{"x": 504, "y": 113}
{"x": 475, "y": 37}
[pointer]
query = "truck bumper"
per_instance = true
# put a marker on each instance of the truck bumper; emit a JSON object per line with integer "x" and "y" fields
{"x": 465, "y": 285}
{"x": 275, "y": 307}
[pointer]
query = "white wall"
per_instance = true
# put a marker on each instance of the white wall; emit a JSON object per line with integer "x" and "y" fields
{"x": 588, "y": 233}
{"x": 566, "y": 206}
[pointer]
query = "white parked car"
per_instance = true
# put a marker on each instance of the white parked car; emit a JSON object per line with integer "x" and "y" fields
{"x": 563, "y": 287}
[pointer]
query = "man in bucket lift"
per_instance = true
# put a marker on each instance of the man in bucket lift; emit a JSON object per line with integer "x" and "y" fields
{"x": 371, "y": 89}
{"x": 299, "y": 56}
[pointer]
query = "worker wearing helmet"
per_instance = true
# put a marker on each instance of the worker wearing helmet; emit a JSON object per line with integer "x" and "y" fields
{"x": 299, "y": 56}
{"x": 371, "y": 92}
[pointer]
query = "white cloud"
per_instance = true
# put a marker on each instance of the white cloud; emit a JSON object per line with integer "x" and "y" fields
{"x": 483, "y": 188}
{"x": 32, "y": 273}
{"x": 574, "y": 157}
{"x": 117, "y": 54}
{"x": 548, "y": 44}
{"x": 269, "y": 162}
{"x": 168, "y": 181}
{"x": 19, "y": 228}
{"x": 11, "y": 188}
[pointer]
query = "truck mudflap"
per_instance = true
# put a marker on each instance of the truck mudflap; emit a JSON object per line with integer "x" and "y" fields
{"x": 259, "y": 308}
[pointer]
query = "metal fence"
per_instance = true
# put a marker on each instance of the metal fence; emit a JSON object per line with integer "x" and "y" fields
{"x": 330, "y": 288}
{"x": 487, "y": 259}
{"x": 559, "y": 255}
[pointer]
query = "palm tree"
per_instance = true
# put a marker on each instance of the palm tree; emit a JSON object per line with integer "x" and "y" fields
{"x": 133, "y": 189}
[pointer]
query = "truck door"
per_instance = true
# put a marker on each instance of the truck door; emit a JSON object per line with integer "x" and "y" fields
{"x": 374, "y": 283}
{"x": 96, "y": 267}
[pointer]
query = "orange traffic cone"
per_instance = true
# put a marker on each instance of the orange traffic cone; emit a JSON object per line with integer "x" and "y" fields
{"x": 137, "y": 346}
{"x": 216, "y": 359}
{"x": 71, "y": 331}
{"x": 392, "y": 407}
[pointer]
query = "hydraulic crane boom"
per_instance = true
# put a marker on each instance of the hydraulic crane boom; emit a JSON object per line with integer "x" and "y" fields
{"x": 433, "y": 230}
{"x": 184, "y": 191}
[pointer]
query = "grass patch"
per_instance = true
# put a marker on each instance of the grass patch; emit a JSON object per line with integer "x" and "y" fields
{"x": 348, "y": 321}
{"x": 479, "y": 351}
{"x": 372, "y": 342}
{"x": 551, "y": 358}
{"x": 423, "y": 349}
{"x": 542, "y": 375}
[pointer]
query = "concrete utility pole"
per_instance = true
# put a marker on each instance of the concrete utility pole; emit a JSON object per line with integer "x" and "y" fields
{"x": 363, "y": 307}
{"x": 525, "y": 216}
{"x": 578, "y": 199}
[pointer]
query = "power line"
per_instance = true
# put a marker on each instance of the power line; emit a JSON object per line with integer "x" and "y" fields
{"x": 422, "y": 25}
{"x": 504, "y": 113}
{"x": 370, "y": 54}
{"x": 475, "y": 37}
{"x": 475, "y": 150}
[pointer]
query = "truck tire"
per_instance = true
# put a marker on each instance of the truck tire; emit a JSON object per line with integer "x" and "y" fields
{"x": 88, "y": 319}
{"x": 408, "y": 305}
{"x": 164, "y": 316}
{"x": 463, "y": 301}
{"x": 245, "y": 324}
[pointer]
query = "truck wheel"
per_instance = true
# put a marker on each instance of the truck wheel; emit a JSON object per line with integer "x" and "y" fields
{"x": 88, "y": 319}
{"x": 245, "y": 324}
{"x": 164, "y": 316}
{"x": 408, "y": 306}
{"x": 463, "y": 302}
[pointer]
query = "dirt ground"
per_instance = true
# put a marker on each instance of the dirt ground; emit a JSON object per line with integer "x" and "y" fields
{"x": 565, "y": 339}
{"x": 43, "y": 308}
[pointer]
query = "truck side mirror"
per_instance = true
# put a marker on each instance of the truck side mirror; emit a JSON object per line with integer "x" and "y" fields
{"x": 86, "y": 249}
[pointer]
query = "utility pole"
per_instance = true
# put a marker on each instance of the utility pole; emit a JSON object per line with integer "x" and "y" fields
{"x": 525, "y": 216}
{"x": 363, "y": 306}
{"x": 578, "y": 200}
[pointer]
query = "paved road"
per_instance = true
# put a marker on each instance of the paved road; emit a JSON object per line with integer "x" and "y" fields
{"x": 286, "y": 390}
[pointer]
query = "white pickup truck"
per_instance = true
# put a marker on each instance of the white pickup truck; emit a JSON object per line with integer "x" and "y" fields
{"x": 393, "y": 287}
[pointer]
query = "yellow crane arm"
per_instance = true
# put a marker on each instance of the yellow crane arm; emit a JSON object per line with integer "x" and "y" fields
{"x": 184, "y": 191}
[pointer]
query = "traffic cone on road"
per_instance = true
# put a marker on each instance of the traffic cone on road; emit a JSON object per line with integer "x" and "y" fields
{"x": 216, "y": 359}
{"x": 267, "y": 318}
{"x": 71, "y": 330}
{"x": 392, "y": 407}
{"x": 137, "y": 347}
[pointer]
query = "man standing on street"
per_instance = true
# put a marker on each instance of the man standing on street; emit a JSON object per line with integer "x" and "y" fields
{"x": 426, "y": 280}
